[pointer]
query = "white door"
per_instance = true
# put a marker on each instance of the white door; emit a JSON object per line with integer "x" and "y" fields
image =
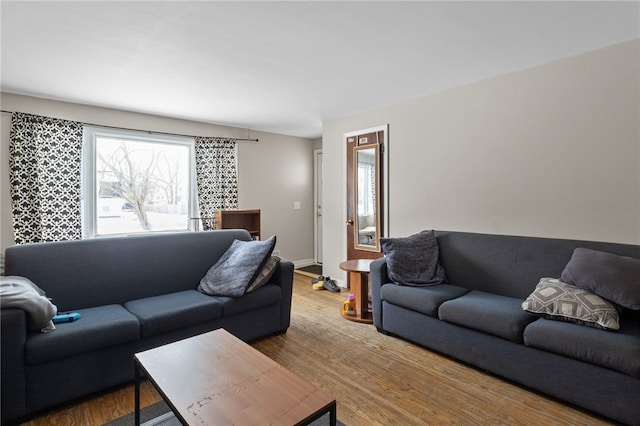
{"x": 317, "y": 154}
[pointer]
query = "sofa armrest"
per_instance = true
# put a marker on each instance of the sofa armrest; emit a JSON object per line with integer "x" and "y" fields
{"x": 377, "y": 278}
{"x": 283, "y": 276}
{"x": 13, "y": 335}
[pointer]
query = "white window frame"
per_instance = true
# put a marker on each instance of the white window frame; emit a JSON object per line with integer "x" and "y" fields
{"x": 89, "y": 184}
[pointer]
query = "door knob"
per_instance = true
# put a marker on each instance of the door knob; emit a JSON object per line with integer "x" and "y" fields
{"x": 349, "y": 222}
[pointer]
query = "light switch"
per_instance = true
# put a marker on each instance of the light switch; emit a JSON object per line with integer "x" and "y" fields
{"x": 296, "y": 205}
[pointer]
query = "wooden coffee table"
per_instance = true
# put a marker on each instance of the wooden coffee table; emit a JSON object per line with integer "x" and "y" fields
{"x": 216, "y": 378}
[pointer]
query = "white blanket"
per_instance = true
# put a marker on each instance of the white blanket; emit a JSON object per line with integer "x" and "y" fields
{"x": 22, "y": 293}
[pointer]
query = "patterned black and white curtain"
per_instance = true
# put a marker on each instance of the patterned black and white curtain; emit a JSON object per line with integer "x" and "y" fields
{"x": 44, "y": 169}
{"x": 216, "y": 175}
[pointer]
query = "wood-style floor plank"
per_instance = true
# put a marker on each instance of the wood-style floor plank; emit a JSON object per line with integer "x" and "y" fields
{"x": 376, "y": 379}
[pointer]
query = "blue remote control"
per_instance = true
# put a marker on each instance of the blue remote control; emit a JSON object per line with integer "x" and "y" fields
{"x": 66, "y": 317}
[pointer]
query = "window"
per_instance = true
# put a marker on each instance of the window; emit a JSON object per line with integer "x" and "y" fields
{"x": 134, "y": 182}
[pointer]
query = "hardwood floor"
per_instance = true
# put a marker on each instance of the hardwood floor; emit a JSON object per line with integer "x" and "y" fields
{"x": 376, "y": 379}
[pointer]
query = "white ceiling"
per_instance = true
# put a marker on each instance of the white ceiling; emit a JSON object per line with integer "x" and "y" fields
{"x": 285, "y": 67}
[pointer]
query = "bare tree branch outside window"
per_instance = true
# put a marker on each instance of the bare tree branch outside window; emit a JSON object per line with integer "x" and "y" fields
{"x": 149, "y": 177}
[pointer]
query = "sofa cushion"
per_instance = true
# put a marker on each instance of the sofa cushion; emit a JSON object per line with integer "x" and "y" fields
{"x": 413, "y": 260}
{"x": 266, "y": 295}
{"x": 618, "y": 351}
{"x": 554, "y": 299}
{"x": 98, "y": 328}
{"x": 168, "y": 312}
{"x": 490, "y": 313}
{"x": 237, "y": 268}
{"x": 616, "y": 278}
{"x": 425, "y": 300}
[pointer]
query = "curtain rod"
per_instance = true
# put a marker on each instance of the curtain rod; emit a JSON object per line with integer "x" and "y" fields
{"x": 147, "y": 131}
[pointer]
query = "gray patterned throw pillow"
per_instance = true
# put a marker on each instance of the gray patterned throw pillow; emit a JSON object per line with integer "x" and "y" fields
{"x": 265, "y": 274}
{"x": 554, "y": 299}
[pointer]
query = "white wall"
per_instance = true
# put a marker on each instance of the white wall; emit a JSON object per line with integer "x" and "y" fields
{"x": 551, "y": 151}
{"x": 272, "y": 173}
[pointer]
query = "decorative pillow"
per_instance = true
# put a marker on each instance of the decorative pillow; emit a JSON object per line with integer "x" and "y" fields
{"x": 265, "y": 274}
{"x": 616, "y": 278}
{"x": 237, "y": 268}
{"x": 554, "y": 299}
{"x": 413, "y": 260}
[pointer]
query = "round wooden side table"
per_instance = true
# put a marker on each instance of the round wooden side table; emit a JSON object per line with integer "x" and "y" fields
{"x": 358, "y": 282}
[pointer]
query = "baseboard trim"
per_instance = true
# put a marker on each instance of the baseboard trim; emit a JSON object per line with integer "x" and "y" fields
{"x": 302, "y": 263}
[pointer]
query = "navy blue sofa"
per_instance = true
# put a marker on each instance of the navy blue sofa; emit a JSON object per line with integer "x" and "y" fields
{"x": 133, "y": 293}
{"x": 477, "y": 318}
